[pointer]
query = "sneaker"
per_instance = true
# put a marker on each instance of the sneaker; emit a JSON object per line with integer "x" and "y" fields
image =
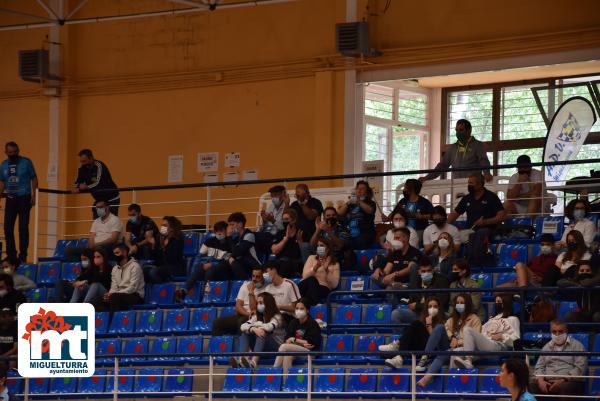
{"x": 422, "y": 365}
{"x": 391, "y": 347}
{"x": 396, "y": 362}
{"x": 463, "y": 362}
{"x": 321, "y": 323}
{"x": 234, "y": 362}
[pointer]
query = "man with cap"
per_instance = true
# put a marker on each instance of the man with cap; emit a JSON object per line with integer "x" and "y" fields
{"x": 524, "y": 189}
{"x": 272, "y": 218}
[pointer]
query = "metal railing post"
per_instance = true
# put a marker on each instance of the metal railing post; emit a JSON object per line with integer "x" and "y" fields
{"x": 36, "y": 226}
{"x": 207, "y": 217}
{"x": 210, "y": 377}
{"x": 26, "y": 389}
{"x": 413, "y": 377}
{"x": 133, "y": 197}
{"x": 309, "y": 379}
{"x": 116, "y": 380}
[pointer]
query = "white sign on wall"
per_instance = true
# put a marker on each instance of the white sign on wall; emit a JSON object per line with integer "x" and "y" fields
{"x": 208, "y": 162}
{"x": 175, "y": 173}
{"x": 232, "y": 159}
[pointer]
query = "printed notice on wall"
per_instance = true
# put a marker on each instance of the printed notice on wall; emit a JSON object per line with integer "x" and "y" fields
{"x": 52, "y": 173}
{"x": 208, "y": 162}
{"x": 232, "y": 159}
{"x": 175, "y": 168}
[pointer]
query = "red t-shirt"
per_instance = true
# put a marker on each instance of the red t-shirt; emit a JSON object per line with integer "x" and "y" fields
{"x": 541, "y": 263}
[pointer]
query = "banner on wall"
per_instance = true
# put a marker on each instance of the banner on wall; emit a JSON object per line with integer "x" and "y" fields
{"x": 568, "y": 130}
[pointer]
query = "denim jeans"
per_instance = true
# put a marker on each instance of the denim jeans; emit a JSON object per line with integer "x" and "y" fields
{"x": 259, "y": 344}
{"x": 438, "y": 341}
{"x": 402, "y": 316}
{"x": 89, "y": 293}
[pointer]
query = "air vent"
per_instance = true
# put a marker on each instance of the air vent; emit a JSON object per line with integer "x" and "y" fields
{"x": 33, "y": 65}
{"x": 352, "y": 39}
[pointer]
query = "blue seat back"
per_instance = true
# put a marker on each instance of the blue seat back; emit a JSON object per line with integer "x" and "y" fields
{"x": 61, "y": 247}
{"x": 363, "y": 257}
{"x": 63, "y": 385}
{"x": 148, "y": 380}
{"x": 94, "y": 384}
{"x": 462, "y": 381}
{"x": 583, "y": 338}
{"x": 189, "y": 345}
{"x": 357, "y": 284}
{"x": 395, "y": 380}
{"x": 319, "y": 312}
{"x": 525, "y": 221}
{"x": 82, "y": 242}
{"x": 149, "y": 321}
{"x": 364, "y": 381}
{"x": 125, "y": 381}
{"x": 596, "y": 383}
{"x": 194, "y": 294}
{"x": 48, "y": 273}
{"x": 503, "y": 278}
{"x": 122, "y": 322}
{"x": 596, "y": 348}
{"x": 491, "y": 384}
{"x": 37, "y": 294}
{"x": 176, "y": 320}
{"x": 102, "y": 322}
{"x": 137, "y": 346}
{"x": 179, "y": 380}
{"x": 338, "y": 343}
{"x": 162, "y": 294}
{"x": 368, "y": 345}
{"x": 163, "y": 345}
{"x": 268, "y": 383}
{"x": 234, "y": 288}
{"x": 237, "y": 380}
{"x": 15, "y": 382}
{"x": 510, "y": 255}
{"x": 70, "y": 271}
{"x": 566, "y": 307}
{"x": 296, "y": 380}
{"x": 28, "y": 270}
{"x": 215, "y": 292}
{"x": 227, "y": 311}
{"x": 108, "y": 348}
{"x": 201, "y": 319}
{"x": 330, "y": 380}
{"x": 39, "y": 385}
{"x": 549, "y": 225}
{"x": 434, "y": 386}
{"x": 220, "y": 344}
{"x": 191, "y": 243}
{"x": 347, "y": 314}
{"x": 378, "y": 314}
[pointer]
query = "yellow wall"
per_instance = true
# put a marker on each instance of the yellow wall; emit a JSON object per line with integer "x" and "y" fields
{"x": 263, "y": 81}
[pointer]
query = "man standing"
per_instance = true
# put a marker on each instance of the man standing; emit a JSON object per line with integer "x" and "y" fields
{"x": 19, "y": 182}
{"x": 465, "y": 152}
{"x": 93, "y": 176}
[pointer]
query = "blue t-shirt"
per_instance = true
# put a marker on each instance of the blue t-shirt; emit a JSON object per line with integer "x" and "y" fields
{"x": 527, "y": 396}
{"x": 17, "y": 176}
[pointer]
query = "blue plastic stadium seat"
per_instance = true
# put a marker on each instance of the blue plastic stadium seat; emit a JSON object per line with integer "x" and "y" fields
{"x": 82, "y": 242}
{"x": 189, "y": 345}
{"x": 61, "y": 247}
{"x": 595, "y": 360}
{"x": 215, "y": 292}
{"x": 269, "y": 383}
{"x": 179, "y": 381}
{"x": 237, "y": 380}
{"x": 194, "y": 294}
{"x": 378, "y": 314}
{"x": 176, "y": 320}
{"x": 15, "y": 382}
{"x": 395, "y": 380}
{"x": 107, "y": 348}
{"x": 338, "y": 343}
{"x": 39, "y": 386}
{"x": 354, "y": 283}
{"x": 191, "y": 243}
{"x": 535, "y": 340}
{"x": 163, "y": 345}
{"x": 125, "y": 381}
{"x": 491, "y": 384}
{"x": 566, "y": 307}
{"x": 434, "y": 386}
{"x": 162, "y": 294}
{"x": 319, "y": 312}
{"x": 365, "y": 381}
{"x": 330, "y": 380}
{"x": 296, "y": 380}
{"x": 503, "y": 278}
{"x": 102, "y": 322}
{"x": 149, "y": 321}
{"x": 526, "y": 221}
{"x": 583, "y": 338}
{"x": 551, "y": 225}
{"x": 37, "y": 295}
{"x": 462, "y": 381}
{"x": 220, "y": 345}
{"x": 48, "y": 273}
{"x": 137, "y": 346}
{"x": 363, "y": 257}
{"x": 63, "y": 385}
{"x": 94, "y": 384}
{"x": 347, "y": 314}
{"x": 368, "y": 345}
{"x": 148, "y": 380}
{"x": 122, "y": 322}
{"x": 510, "y": 255}
{"x": 28, "y": 270}
{"x": 70, "y": 271}
{"x": 596, "y": 384}
{"x": 234, "y": 288}
{"x": 227, "y": 311}
{"x": 201, "y": 319}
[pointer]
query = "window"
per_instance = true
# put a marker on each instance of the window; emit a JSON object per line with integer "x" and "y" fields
{"x": 520, "y": 116}
{"x": 475, "y": 106}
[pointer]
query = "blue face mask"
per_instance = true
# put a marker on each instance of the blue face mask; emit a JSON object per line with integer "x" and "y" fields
{"x": 220, "y": 237}
{"x": 101, "y": 212}
{"x": 132, "y": 219}
{"x": 235, "y": 233}
{"x": 578, "y": 214}
{"x": 427, "y": 277}
{"x": 268, "y": 279}
{"x": 260, "y": 308}
{"x": 460, "y": 308}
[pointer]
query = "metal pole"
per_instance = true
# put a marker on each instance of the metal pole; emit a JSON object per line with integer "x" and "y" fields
{"x": 36, "y": 225}
{"x": 210, "y": 377}
{"x": 133, "y": 197}
{"x": 309, "y": 379}
{"x": 26, "y": 389}
{"x": 116, "y": 380}
{"x": 413, "y": 377}
{"x": 207, "y": 217}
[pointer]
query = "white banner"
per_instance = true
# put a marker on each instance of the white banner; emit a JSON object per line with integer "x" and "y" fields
{"x": 568, "y": 130}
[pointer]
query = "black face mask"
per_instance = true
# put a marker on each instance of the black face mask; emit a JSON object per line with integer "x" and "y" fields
{"x": 331, "y": 221}
{"x": 498, "y": 308}
{"x": 439, "y": 222}
{"x": 406, "y": 194}
{"x": 286, "y": 224}
{"x": 584, "y": 276}
{"x": 572, "y": 246}
{"x": 13, "y": 159}
{"x": 471, "y": 189}
{"x": 454, "y": 276}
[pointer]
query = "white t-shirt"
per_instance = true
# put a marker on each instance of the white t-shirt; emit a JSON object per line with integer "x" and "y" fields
{"x": 284, "y": 294}
{"x": 564, "y": 266}
{"x": 413, "y": 240}
{"x": 586, "y": 227}
{"x": 432, "y": 232}
{"x": 277, "y": 213}
{"x": 244, "y": 296}
{"x": 534, "y": 178}
{"x": 102, "y": 230}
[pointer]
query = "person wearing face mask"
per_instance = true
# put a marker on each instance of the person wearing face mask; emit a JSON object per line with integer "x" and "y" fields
{"x": 245, "y": 304}
{"x": 93, "y": 176}
{"x": 498, "y": 334}
{"x": 64, "y": 288}
{"x": 466, "y": 152}
{"x": 552, "y": 373}
{"x": 359, "y": 213}
{"x": 448, "y": 337}
{"x": 307, "y": 209}
{"x": 577, "y": 211}
{"x": 588, "y": 300}
{"x": 461, "y": 278}
{"x": 398, "y": 262}
{"x": 330, "y": 229}
{"x": 127, "y": 281}
{"x": 263, "y": 332}
{"x": 170, "y": 261}
{"x": 287, "y": 245}
{"x": 303, "y": 334}
{"x": 18, "y": 183}
{"x": 94, "y": 280}
{"x": 417, "y": 334}
{"x": 565, "y": 266}
{"x": 272, "y": 217}
{"x": 321, "y": 274}
{"x": 440, "y": 225}
{"x": 138, "y": 230}
{"x": 417, "y": 208}
{"x": 22, "y": 283}
{"x": 284, "y": 290}
{"x": 524, "y": 194}
{"x": 534, "y": 271}
{"x": 484, "y": 212}
{"x": 443, "y": 255}
{"x": 399, "y": 220}
{"x": 9, "y": 297}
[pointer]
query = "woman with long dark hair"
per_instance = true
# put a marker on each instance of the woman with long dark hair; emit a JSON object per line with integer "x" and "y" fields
{"x": 566, "y": 263}
{"x": 171, "y": 260}
{"x": 514, "y": 376}
{"x": 321, "y": 273}
{"x": 94, "y": 281}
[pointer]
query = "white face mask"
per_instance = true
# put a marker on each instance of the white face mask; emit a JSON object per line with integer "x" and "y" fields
{"x": 443, "y": 243}
{"x": 164, "y": 230}
{"x": 85, "y": 264}
{"x": 432, "y": 311}
{"x": 300, "y": 314}
{"x": 397, "y": 245}
{"x": 545, "y": 249}
{"x": 276, "y": 202}
{"x": 8, "y": 271}
{"x": 3, "y": 293}
{"x": 321, "y": 251}
{"x": 260, "y": 308}
{"x": 559, "y": 340}
{"x": 399, "y": 224}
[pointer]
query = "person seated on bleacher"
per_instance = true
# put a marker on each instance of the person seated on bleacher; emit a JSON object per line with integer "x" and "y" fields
{"x": 138, "y": 232}
{"x": 461, "y": 278}
{"x": 448, "y": 337}
{"x": 497, "y": 334}
{"x": 22, "y": 283}
{"x": 524, "y": 189}
{"x": 287, "y": 243}
{"x": 307, "y": 210}
{"x": 578, "y": 211}
{"x": 588, "y": 300}
{"x": 359, "y": 213}
{"x": 9, "y": 297}
{"x": 63, "y": 289}
{"x": 271, "y": 217}
{"x": 514, "y": 376}
{"x": 170, "y": 261}
{"x": 417, "y": 334}
{"x": 94, "y": 280}
{"x": 399, "y": 220}
{"x": 534, "y": 271}
{"x": 8, "y": 338}
{"x": 302, "y": 334}
{"x": 417, "y": 208}
{"x": 443, "y": 255}
{"x": 565, "y": 266}
{"x": 214, "y": 250}
{"x": 398, "y": 263}
{"x": 243, "y": 254}
{"x": 484, "y": 212}
{"x": 284, "y": 290}
{"x": 440, "y": 225}
{"x": 5, "y": 393}
{"x": 330, "y": 229}
{"x": 552, "y": 372}
{"x": 321, "y": 274}
{"x": 127, "y": 281}
{"x": 263, "y": 332}
{"x": 245, "y": 305}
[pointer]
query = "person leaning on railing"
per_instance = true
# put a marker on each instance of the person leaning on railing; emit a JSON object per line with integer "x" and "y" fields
{"x": 578, "y": 211}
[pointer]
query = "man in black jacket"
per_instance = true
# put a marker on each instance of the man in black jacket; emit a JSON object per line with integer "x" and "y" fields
{"x": 93, "y": 176}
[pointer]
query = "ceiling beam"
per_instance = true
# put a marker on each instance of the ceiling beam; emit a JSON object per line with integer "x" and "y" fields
{"x": 76, "y": 9}
{"x": 48, "y": 9}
